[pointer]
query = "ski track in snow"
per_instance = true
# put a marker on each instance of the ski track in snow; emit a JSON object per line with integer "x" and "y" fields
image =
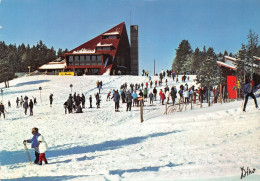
{"x": 100, "y": 144}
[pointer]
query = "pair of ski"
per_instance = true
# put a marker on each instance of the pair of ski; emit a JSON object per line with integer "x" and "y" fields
{"x": 27, "y": 152}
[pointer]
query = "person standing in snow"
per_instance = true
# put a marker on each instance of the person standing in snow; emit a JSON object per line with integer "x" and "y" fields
{"x": 83, "y": 100}
{"x": 17, "y": 102}
{"x": 90, "y": 101}
{"x": 65, "y": 105}
{"x": 2, "y": 110}
{"x": 9, "y": 104}
{"x": 51, "y": 99}
{"x": 97, "y": 100}
{"x": 173, "y": 94}
{"x": 34, "y": 143}
{"x": 116, "y": 99}
{"x": 162, "y": 96}
{"x": 134, "y": 95}
{"x": 151, "y": 97}
{"x": 249, "y": 90}
{"x": 21, "y": 101}
{"x": 186, "y": 96}
{"x": 69, "y": 104}
{"x": 25, "y": 106}
{"x": 108, "y": 95}
{"x": 42, "y": 149}
{"x": 154, "y": 93}
{"x": 31, "y": 107}
{"x": 128, "y": 101}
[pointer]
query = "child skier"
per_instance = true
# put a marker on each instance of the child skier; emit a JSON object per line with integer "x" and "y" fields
{"x": 35, "y": 143}
{"x": 42, "y": 149}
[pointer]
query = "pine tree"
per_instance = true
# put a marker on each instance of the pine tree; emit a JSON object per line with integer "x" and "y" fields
{"x": 251, "y": 49}
{"x": 196, "y": 60}
{"x": 182, "y": 61}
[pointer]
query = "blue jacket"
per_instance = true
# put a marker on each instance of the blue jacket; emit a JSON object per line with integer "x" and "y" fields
{"x": 116, "y": 97}
{"x": 246, "y": 89}
{"x": 134, "y": 95}
{"x": 34, "y": 140}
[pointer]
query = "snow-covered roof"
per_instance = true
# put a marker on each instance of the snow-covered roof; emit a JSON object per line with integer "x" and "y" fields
{"x": 111, "y": 33}
{"x": 257, "y": 58}
{"x": 226, "y": 65}
{"x": 230, "y": 58}
{"x": 84, "y": 50}
{"x": 103, "y": 45}
{"x": 53, "y": 65}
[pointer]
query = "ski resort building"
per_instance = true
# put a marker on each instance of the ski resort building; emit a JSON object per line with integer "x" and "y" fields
{"x": 229, "y": 72}
{"x": 109, "y": 53}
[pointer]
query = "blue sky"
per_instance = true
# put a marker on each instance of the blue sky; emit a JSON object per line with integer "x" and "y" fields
{"x": 163, "y": 24}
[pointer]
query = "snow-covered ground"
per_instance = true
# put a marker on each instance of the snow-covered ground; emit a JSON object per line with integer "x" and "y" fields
{"x": 209, "y": 143}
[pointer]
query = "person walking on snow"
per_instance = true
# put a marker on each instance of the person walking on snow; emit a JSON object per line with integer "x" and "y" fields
{"x": 249, "y": 90}
{"x": 2, "y": 110}
{"x": 51, "y": 99}
{"x": 42, "y": 149}
{"x": 31, "y": 107}
{"x": 34, "y": 143}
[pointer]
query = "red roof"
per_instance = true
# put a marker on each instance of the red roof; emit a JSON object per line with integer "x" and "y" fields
{"x": 99, "y": 41}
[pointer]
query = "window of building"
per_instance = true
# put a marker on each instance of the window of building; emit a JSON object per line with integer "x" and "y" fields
{"x": 76, "y": 60}
{"x": 94, "y": 57}
{"x": 82, "y": 60}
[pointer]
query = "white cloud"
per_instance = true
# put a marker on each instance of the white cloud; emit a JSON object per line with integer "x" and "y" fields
{"x": 0, "y": 25}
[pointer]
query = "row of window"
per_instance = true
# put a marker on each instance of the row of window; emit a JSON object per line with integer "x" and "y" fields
{"x": 84, "y": 60}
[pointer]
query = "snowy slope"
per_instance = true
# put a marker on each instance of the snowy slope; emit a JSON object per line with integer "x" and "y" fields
{"x": 100, "y": 144}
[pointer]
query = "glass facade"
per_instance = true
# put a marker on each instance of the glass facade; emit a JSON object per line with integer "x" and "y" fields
{"x": 84, "y": 60}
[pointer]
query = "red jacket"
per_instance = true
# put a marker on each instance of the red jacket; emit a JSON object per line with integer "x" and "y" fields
{"x": 162, "y": 95}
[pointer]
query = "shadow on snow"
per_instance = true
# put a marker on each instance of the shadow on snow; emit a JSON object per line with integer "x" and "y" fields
{"x": 31, "y": 82}
{"x": 14, "y": 157}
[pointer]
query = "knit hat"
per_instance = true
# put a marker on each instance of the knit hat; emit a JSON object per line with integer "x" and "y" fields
{"x": 35, "y": 129}
{"x": 40, "y": 138}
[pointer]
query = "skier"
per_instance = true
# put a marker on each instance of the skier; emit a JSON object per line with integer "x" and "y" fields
{"x": 154, "y": 93}
{"x": 249, "y": 90}
{"x": 128, "y": 101}
{"x": 2, "y": 109}
{"x": 97, "y": 101}
{"x": 65, "y": 105}
{"x": 31, "y": 107}
{"x": 21, "y": 101}
{"x": 90, "y": 101}
{"x": 51, "y": 99}
{"x": 173, "y": 94}
{"x": 25, "y": 106}
{"x": 186, "y": 95}
{"x": 9, "y": 103}
{"x": 42, "y": 149}
{"x": 116, "y": 99}
{"x": 162, "y": 96}
{"x": 83, "y": 100}
{"x": 70, "y": 104}
{"x": 17, "y": 102}
{"x": 151, "y": 97}
{"x": 108, "y": 95}
{"x": 134, "y": 95}
{"x": 34, "y": 101}
{"x": 35, "y": 143}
